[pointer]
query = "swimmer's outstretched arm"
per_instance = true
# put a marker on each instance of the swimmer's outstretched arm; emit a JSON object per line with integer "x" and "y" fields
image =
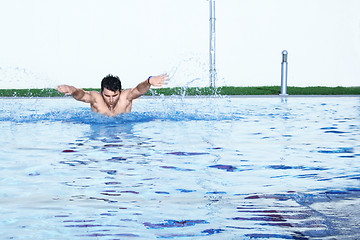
{"x": 78, "y": 93}
{"x": 143, "y": 87}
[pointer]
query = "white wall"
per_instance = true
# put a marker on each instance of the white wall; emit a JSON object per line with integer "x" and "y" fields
{"x": 321, "y": 36}
{"x": 44, "y": 43}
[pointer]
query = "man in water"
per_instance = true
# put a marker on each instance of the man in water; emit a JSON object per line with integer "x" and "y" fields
{"x": 112, "y": 101}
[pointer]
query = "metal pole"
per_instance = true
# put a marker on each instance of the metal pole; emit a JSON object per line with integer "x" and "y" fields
{"x": 212, "y": 44}
{"x": 284, "y": 69}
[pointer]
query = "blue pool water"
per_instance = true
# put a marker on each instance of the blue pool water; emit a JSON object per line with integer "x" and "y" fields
{"x": 181, "y": 168}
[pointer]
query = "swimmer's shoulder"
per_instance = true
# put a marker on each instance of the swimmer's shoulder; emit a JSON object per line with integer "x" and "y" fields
{"x": 126, "y": 94}
{"x": 94, "y": 96}
{"x": 95, "y": 93}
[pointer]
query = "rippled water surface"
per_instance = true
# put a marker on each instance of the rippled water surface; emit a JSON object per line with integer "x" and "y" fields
{"x": 192, "y": 168}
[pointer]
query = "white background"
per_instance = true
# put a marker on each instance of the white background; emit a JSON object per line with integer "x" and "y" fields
{"x": 44, "y": 43}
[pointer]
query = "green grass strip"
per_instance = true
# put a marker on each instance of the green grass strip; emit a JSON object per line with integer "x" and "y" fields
{"x": 193, "y": 91}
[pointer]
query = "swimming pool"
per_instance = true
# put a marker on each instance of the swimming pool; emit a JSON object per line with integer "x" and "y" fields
{"x": 181, "y": 168}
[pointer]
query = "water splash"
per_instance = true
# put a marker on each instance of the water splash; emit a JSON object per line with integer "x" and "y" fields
{"x": 68, "y": 111}
{"x": 88, "y": 117}
{"x": 22, "y": 77}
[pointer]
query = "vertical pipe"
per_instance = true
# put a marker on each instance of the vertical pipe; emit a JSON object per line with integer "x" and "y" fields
{"x": 284, "y": 69}
{"x": 212, "y": 44}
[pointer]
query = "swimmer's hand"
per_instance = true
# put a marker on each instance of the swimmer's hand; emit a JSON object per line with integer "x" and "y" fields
{"x": 68, "y": 90}
{"x": 159, "y": 81}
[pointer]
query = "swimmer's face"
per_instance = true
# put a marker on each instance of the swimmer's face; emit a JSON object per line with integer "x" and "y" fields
{"x": 110, "y": 97}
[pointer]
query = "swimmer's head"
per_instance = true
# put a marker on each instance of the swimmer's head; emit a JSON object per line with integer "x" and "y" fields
{"x": 111, "y": 83}
{"x": 110, "y": 90}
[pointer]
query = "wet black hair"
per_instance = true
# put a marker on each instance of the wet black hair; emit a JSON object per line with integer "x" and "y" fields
{"x": 111, "y": 82}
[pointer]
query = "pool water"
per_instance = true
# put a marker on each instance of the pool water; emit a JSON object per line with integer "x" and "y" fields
{"x": 181, "y": 168}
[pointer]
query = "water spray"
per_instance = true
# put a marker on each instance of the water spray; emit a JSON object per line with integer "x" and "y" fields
{"x": 212, "y": 44}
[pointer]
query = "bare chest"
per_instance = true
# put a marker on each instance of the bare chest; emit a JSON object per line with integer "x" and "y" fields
{"x": 118, "y": 108}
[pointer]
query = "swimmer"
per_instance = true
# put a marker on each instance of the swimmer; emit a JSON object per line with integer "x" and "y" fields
{"x": 112, "y": 101}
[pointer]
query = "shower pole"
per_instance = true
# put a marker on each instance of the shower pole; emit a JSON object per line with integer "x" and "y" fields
{"x": 212, "y": 43}
{"x": 284, "y": 72}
